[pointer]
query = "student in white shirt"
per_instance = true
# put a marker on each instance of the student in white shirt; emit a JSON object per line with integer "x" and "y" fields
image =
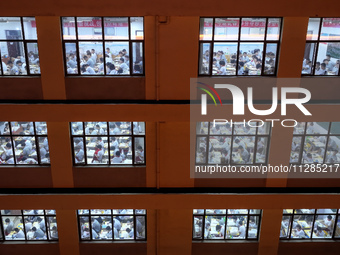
{"x": 4, "y": 67}
{"x": 83, "y": 70}
{"x": 93, "y": 55}
{"x": 244, "y": 58}
{"x": 79, "y": 157}
{"x": 299, "y": 233}
{"x": 322, "y": 70}
{"x": 242, "y": 230}
{"x": 330, "y": 65}
{"x": 89, "y": 69}
{"x": 123, "y": 65}
{"x": 241, "y": 68}
{"x": 117, "y": 159}
{"x": 223, "y": 70}
{"x": 101, "y": 66}
{"x": 89, "y": 61}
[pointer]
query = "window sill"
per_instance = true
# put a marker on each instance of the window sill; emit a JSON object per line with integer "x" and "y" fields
{"x": 310, "y": 241}
{"x": 225, "y": 241}
{"x": 111, "y": 242}
{"x": 28, "y": 242}
{"x": 109, "y": 166}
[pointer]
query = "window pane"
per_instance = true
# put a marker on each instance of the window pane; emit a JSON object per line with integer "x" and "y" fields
{"x": 201, "y": 151}
{"x": 120, "y": 128}
{"x": 270, "y": 63}
{"x": 304, "y": 211}
{"x": 6, "y": 152}
{"x": 296, "y": 149}
{"x": 273, "y": 29}
{"x": 285, "y": 226}
{"x": 330, "y": 29}
{"x": 198, "y": 211}
{"x": 79, "y": 156}
{"x": 326, "y": 211}
{"x": 204, "y": 58}
{"x": 89, "y": 28}
{"x": 255, "y": 211}
{"x": 299, "y": 129}
{"x": 216, "y": 211}
{"x": 52, "y": 228}
{"x": 226, "y": 29}
{"x": 140, "y": 227}
{"x": 22, "y": 128}
{"x": 69, "y": 28}
{"x": 33, "y": 57}
{"x": 124, "y": 226}
{"x": 254, "y": 64}
{"x": 50, "y": 211}
{"x": 288, "y": 211}
{"x": 219, "y": 150}
{"x": 15, "y": 53}
{"x": 116, "y": 28}
{"x": 116, "y": 57}
{"x": 11, "y": 212}
{"x": 137, "y": 28}
{"x": 244, "y": 129}
{"x": 313, "y": 28}
{"x": 317, "y": 128}
{"x": 13, "y": 228}
{"x": 254, "y": 222}
{"x": 202, "y": 128}
{"x": 328, "y": 55}
{"x": 253, "y": 28}
{"x": 140, "y": 211}
{"x": 101, "y": 228}
{"x": 197, "y": 228}
{"x": 137, "y": 58}
{"x": 25, "y": 150}
{"x": 333, "y": 149}
{"x": 33, "y": 212}
{"x": 220, "y": 128}
{"x": 88, "y": 53}
{"x": 77, "y": 128}
{"x": 97, "y": 150}
{"x": 308, "y": 59}
{"x": 236, "y": 227}
{"x": 335, "y": 128}
{"x": 139, "y": 128}
{"x": 95, "y": 128}
{"x": 337, "y": 230}
{"x": 214, "y": 227}
{"x": 243, "y": 149}
{"x": 324, "y": 226}
{"x": 224, "y": 59}
{"x": 264, "y": 130}
{"x": 314, "y": 149}
{"x": 84, "y": 228}
{"x": 83, "y": 211}
{"x": 261, "y": 151}
{"x": 237, "y": 211}
{"x": 41, "y": 128}
{"x": 206, "y": 25}
{"x": 44, "y": 150}
{"x": 71, "y": 58}
{"x": 4, "y": 128}
{"x": 302, "y": 225}
{"x": 139, "y": 150}
{"x": 30, "y": 28}
{"x": 120, "y": 150}
{"x": 10, "y": 28}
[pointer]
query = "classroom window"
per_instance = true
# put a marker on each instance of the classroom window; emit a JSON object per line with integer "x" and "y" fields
{"x": 217, "y": 224}
{"x": 29, "y": 225}
{"x": 237, "y": 144}
{"x": 239, "y": 46}
{"x": 322, "y": 51}
{"x": 23, "y": 143}
{"x": 108, "y": 143}
{"x": 310, "y": 224}
{"x": 115, "y": 225}
{"x": 316, "y": 142}
{"x": 19, "y": 46}
{"x": 103, "y": 45}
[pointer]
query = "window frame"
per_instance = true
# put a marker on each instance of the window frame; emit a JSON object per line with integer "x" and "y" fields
{"x": 232, "y": 137}
{"x": 316, "y": 50}
{"x": 103, "y": 41}
{"x": 37, "y": 146}
{"x": 315, "y": 214}
{"x": 112, "y": 215}
{"x": 238, "y": 42}
{"x": 83, "y": 136}
{"x": 225, "y": 228}
{"x": 303, "y": 139}
{"x": 45, "y": 216}
{"x": 25, "y": 42}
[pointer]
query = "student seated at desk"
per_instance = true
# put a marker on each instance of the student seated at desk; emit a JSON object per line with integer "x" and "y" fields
{"x": 321, "y": 70}
{"x": 7, "y": 152}
{"x": 336, "y": 67}
{"x": 319, "y": 232}
{"x": 117, "y": 159}
{"x": 98, "y": 154}
{"x": 139, "y": 154}
{"x": 242, "y": 230}
{"x": 241, "y": 68}
{"x": 97, "y": 225}
{"x": 88, "y": 60}
{"x": 220, "y": 231}
{"x": 94, "y": 55}
{"x": 38, "y": 233}
{"x": 244, "y": 58}
{"x": 89, "y": 69}
{"x": 329, "y": 223}
{"x": 101, "y": 66}
{"x": 19, "y": 234}
{"x": 332, "y": 157}
{"x": 308, "y": 158}
{"x": 111, "y": 69}
{"x": 54, "y": 233}
{"x": 28, "y": 225}
{"x": 79, "y": 157}
{"x": 244, "y": 154}
{"x": 9, "y": 225}
{"x": 223, "y": 70}
{"x": 83, "y": 70}
{"x": 123, "y": 65}
{"x": 41, "y": 222}
{"x": 299, "y": 233}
